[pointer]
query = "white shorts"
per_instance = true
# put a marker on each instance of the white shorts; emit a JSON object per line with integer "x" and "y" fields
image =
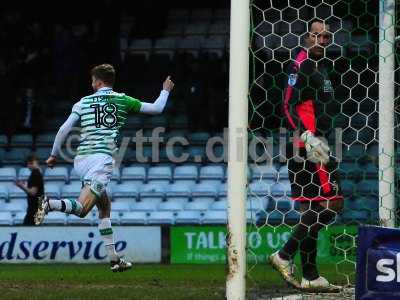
{"x": 95, "y": 170}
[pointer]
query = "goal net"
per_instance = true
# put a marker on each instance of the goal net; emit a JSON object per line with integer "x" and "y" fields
{"x": 364, "y": 99}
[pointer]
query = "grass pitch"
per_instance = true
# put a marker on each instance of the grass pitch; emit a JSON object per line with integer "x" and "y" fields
{"x": 164, "y": 282}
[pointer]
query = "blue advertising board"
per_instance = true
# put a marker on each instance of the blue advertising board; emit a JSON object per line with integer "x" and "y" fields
{"x": 378, "y": 263}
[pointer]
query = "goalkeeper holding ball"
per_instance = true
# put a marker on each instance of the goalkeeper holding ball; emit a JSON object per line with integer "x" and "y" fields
{"x": 312, "y": 171}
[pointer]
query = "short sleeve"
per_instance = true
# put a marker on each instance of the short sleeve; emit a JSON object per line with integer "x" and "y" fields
{"x": 133, "y": 104}
{"x": 76, "y": 109}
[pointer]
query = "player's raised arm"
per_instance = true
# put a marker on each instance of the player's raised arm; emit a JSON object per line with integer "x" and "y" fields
{"x": 62, "y": 134}
{"x": 157, "y": 106}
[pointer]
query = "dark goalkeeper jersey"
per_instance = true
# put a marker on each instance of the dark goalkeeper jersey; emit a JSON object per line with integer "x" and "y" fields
{"x": 308, "y": 97}
{"x": 309, "y": 104}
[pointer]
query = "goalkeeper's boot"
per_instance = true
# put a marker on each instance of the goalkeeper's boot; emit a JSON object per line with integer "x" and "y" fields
{"x": 285, "y": 267}
{"x": 319, "y": 285}
{"x": 42, "y": 210}
{"x": 120, "y": 266}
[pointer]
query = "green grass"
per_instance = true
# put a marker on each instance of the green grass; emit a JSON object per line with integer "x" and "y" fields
{"x": 143, "y": 282}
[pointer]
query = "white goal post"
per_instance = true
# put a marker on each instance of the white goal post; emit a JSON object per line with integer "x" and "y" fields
{"x": 238, "y": 123}
{"x": 237, "y": 149}
{"x": 387, "y": 205}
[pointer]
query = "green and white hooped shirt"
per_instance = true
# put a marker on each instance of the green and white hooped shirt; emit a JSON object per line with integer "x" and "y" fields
{"x": 101, "y": 117}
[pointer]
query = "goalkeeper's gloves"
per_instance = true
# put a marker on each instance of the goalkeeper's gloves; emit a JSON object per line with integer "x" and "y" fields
{"x": 317, "y": 150}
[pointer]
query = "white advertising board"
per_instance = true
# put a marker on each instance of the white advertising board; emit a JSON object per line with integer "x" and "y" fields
{"x": 72, "y": 244}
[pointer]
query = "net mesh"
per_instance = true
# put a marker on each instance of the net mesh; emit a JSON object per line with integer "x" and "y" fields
{"x": 278, "y": 29}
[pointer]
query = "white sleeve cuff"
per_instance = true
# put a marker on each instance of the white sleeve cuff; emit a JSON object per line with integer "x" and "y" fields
{"x": 158, "y": 106}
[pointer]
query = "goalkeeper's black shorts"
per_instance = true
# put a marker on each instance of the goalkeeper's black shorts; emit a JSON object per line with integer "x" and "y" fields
{"x": 312, "y": 182}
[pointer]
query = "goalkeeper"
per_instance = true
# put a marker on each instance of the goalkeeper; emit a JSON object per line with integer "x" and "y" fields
{"x": 312, "y": 171}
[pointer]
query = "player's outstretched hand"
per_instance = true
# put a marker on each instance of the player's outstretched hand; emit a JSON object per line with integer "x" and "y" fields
{"x": 168, "y": 84}
{"x": 51, "y": 161}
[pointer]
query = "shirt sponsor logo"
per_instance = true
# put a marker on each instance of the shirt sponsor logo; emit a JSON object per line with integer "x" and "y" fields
{"x": 292, "y": 79}
{"x": 335, "y": 186}
{"x": 328, "y": 86}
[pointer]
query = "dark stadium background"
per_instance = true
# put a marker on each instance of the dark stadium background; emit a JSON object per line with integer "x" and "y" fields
{"x": 48, "y": 48}
{"x": 71, "y": 37}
